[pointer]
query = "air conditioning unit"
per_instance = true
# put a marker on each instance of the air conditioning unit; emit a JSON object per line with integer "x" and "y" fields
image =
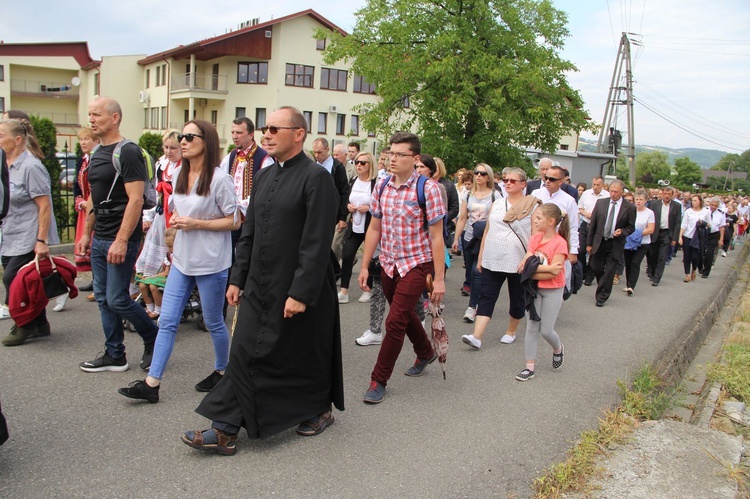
{"x": 143, "y": 97}
{"x": 333, "y": 109}
{"x": 268, "y": 33}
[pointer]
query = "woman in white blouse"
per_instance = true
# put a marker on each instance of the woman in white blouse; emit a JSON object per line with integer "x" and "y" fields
{"x": 205, "y": 212}
{"x": 503, "y": 247}
{"x": 360, "y": 190}
{"x": 691, "y": 255}
{"x": 645, "y": 221}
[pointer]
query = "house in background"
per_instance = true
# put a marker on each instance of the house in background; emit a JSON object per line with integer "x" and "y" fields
{"x": 247, "y": 72}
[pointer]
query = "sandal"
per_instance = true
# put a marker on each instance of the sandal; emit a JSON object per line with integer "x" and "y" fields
{"x": 616, "y": 280}
{"x": 212, "y": 440}
{"x": 316, "y": 425}
{"x": 91, "y": 297}
{"x": 152, "y": 315}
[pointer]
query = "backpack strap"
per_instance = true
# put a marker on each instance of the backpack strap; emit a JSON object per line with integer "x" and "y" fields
{"x": 118, "y": 167}
{"x": 421, "y": 181}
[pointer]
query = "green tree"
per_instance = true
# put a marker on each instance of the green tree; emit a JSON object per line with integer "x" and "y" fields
{"x": 652, "y": 166}
{"x": 738, "y": 162}
{"x": 687, "y": 172}
{"x": 151, "y": 142}
{"x": 476, "y": 79}
{"x": 46, "y": 135}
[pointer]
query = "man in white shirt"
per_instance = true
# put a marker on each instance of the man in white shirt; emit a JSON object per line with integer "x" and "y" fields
{"x": 585, "y": 206}
{"x": 715, "y": 237}
{"x": 551, "y": 193}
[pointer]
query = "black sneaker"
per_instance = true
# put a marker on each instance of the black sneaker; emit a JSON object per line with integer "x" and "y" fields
{"x": 140, "y": 390}
{"x": 103, "y": 363}
{"x": 211, "y": 381}
{"x": 525, "y": 375}
{"x": 557, "y": 358}
{"x": 148, "y": 354}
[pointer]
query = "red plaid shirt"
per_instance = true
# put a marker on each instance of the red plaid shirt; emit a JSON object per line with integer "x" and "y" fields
{"x": 404, "y": 241}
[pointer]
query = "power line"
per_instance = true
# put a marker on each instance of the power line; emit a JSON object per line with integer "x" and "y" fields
{"x": 683, "y": 128}
{"x": 611, "y": 26}
{"x": 693, "y": 51}
{"x": 699, "y": 39}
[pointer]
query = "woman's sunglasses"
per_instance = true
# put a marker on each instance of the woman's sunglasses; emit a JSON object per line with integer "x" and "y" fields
{"x": 360, "y": 162}
{"x": 511, "y": 181}
{"x": 480, "y": 172}
{"x": 188, "y": 136}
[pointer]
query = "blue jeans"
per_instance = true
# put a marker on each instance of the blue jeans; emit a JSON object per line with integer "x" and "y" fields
{"x": 111, "y": 290}
{"x": 176, "y": 294}
{"x": 474, "y": 277}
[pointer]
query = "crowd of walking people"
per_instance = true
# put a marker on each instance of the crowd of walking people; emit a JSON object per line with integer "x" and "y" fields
{"x": 270, "y": 229}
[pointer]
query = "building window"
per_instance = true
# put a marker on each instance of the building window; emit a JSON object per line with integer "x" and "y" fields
{"x": 252, "y": 72}
{"x": 308, "y": 119}
{"x": 148, "y": 77}
{"x": 370, "y": 134}
{"x": 163, "y": 74}
{"x": 2, "y": 72}
{"x": 158, "y": 76}
{"x": 333, "y": 79}
{"x": 240, "y": 112}
{"x": 145, "y": 118}
{"x": 322, "y": 122}
{"x": 96, "y": 84}
{"x": 405, "y": 102}
{"x": 214, "y": 117}
{"x": 260, "y": 117}
{"x": 154, "y": 117}
{"x": 164, "y": 118}
{"x": 2, "y": 103}
{"x": 355, "y": 124}
{"x": 361, "y": 86}
{"x": 320, "y": 44}
{"x": 298, "y": 75}
{"x": 340, "y": 124}
{"x": 563, "y": 147}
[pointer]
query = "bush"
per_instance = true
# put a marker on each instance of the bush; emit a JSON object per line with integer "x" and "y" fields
{"x": 151, "y": 142}
{"x": 46, "y": 134}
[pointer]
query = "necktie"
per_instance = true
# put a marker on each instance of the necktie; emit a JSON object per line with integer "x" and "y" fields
{"x": 610, "y": 221}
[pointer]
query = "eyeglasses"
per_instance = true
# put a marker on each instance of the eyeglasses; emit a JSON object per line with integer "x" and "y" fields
{"x": 511, "y": 181}
{"x": 551, "y": 179}
{"x": 275, "y": 129}
{"x": 401, "y": 154}
{"x": 360, "y": 162}
{"x": 480, "y": 172}
{"x": 189, "y": 137}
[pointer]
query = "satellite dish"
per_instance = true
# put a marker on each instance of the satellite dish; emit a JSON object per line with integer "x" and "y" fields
{"x": 75, "y": 81}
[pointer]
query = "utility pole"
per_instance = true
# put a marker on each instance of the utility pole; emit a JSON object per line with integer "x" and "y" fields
{"x": 618, "y": 87}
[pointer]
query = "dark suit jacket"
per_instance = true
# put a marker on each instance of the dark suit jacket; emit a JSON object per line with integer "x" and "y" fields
{"x": 338, "y": 171}
{"x": 625, "y": 222}
{"x": 532, "y": 185}
{"x": 674, "y": 219}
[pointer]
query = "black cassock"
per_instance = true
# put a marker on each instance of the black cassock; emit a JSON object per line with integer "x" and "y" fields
{"x": 283, "y": 371}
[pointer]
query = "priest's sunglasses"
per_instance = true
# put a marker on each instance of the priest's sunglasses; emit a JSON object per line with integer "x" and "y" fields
{"x": 275, "y": 129}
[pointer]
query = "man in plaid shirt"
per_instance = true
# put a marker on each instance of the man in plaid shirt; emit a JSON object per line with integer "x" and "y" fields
{"x": 406, "y": 256}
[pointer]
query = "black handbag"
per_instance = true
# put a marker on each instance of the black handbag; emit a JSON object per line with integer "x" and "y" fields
{"x": 54, "y": 284}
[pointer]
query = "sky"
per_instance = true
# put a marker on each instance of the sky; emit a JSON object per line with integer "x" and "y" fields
{"x": 691, "y": 58}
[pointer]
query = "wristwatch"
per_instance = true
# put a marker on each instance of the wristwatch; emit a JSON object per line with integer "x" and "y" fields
{"x": 42, "y": 241}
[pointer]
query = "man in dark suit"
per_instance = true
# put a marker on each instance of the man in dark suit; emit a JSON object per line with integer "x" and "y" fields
{"x": 321, "y": 151}
{"x": 612, "y": 221}
{"x": 668, "y": 215}
{"x": 544, "y": 165}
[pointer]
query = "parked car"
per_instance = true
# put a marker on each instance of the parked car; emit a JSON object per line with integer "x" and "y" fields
{"x": 67, "y": 170}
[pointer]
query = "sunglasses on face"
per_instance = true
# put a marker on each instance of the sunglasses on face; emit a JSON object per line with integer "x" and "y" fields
{"x": 275, "y": 129}
{"x": 551, "y": 179}
{"x": 511, "y": 181}
{"x": 481, "y": 173}
{"x": 360, "y": 162}
{"x": 188, "y": 136}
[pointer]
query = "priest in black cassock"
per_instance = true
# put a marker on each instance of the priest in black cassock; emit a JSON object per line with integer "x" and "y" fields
{"x": 285, "y": 365}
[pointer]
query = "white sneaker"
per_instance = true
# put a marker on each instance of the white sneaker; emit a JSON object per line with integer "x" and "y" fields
{"x": 470, "y": 314}
{"x": 369, "y": 338}
{"x": 723, "y": 253}
{"x": 343, "y": 298}
{"x": 507, "y": 339}
{"x": 471, "y": 341}
{"x": 365, "y": 298}
{"x": 4, "y": 312}
{"x": 60, "y": 303}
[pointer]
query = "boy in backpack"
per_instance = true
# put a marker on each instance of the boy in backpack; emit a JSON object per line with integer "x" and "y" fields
{"x": 115, "y": 210}
{"x": 406, "y": 257}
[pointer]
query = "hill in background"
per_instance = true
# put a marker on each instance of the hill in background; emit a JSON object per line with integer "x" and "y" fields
{"x": 706, "y": 158}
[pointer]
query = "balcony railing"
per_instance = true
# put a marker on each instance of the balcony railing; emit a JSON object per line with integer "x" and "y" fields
{"x": 199, "y": 81}
{"x": 43, "y": 88}
{"x": 71, "y": 119}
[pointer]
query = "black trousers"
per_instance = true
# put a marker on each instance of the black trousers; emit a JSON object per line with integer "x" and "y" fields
{"x": 583, "y": 257}
{"x": 657, "y": 255}
{"x": 633, "y": 259}
{"x": 712, "y": 246}
{"x": 11, "y": 266}
{"x": 604, "y": 265}
{"x": 352, "y": 242}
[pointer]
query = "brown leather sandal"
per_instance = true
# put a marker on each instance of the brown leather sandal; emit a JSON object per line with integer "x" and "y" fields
{"x": 222, "y": 443}
{"x": 316, "y": 425}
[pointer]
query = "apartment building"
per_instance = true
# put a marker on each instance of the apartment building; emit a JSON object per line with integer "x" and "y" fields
{"x": 249, "y": 72}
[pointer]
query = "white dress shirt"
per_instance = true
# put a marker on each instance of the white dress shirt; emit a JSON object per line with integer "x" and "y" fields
{"x": 588, "y": 200}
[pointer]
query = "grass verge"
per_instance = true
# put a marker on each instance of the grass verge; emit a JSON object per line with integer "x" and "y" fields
{"x": 646, "y": 397}
{"x": 733, "y": 372}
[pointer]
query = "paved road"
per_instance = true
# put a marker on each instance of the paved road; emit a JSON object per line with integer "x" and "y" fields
{"x": 480, "y": 433}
